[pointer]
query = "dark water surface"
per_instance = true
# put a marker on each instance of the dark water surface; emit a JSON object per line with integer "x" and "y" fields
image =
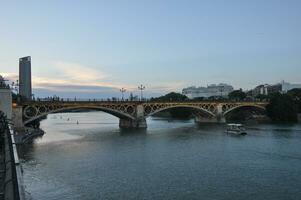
{"x": 169, "y": 160}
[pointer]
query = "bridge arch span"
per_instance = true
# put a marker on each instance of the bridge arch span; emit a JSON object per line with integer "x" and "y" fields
{"x": 116, "y": 113}
{"x": 152, "y": 111}
{"x": 244, "y": 105}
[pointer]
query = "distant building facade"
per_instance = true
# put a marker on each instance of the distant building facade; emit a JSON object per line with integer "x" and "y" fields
{"x": 266, "y": 89}
{"x": 25, "y": 77}
{"x": 209, "y": 91}
{"x": 285, "y": 86}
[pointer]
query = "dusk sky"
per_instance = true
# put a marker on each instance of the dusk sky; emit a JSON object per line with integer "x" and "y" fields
{"x": 93, "y": 48}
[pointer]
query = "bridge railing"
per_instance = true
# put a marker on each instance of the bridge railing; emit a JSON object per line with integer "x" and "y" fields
{"x": 72, "y": 100}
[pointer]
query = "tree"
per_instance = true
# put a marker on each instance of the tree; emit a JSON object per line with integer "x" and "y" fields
{"x": 282, "y": 108}
{"x": 198, "y": 99}
{"x": 237, "y": 95}
{"x": 172, "y": 96}
{"x": 261, "y": 97}
{"x": 296, "y": 95}
{"x": 180, "y": 113}
{"x": 14, "y": 96}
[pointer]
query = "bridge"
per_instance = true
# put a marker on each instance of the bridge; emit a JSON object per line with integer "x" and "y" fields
{"x": 132, "y": 114}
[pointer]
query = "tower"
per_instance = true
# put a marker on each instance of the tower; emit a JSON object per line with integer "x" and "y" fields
{"x": 25, "y": 77}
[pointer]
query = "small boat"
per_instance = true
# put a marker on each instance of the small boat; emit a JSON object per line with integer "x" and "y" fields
{"x": 236, "y": 129}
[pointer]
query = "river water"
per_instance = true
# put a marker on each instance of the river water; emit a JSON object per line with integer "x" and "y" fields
{"x": 172, "y": 159}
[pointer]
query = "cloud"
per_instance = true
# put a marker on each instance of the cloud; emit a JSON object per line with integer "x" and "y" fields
{"x": 11, "y": 77}
{"x": 68, "y": 74}
{"x": 168, "y": 86}
{"x": 77, "y": 72}
{"x": 79, "y": 80}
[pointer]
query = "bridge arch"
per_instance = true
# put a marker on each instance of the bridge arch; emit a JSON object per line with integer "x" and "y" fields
{"x": 244, "y": 105}
{"x": 116, "y": 113}
{"x": 153, "y": 111}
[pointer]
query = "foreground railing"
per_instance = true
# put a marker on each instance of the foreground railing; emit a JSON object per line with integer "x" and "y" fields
{"x": 11, "y": 179}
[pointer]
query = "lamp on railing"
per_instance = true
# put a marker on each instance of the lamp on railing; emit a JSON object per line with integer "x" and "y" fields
{"x": 122, "y": 90}
{"x": 141, "y": 88}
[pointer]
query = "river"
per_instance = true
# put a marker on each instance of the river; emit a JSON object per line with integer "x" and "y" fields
{"x": 172, "y": 159}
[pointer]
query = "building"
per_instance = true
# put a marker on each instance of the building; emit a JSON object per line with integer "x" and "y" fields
{"x": 285, "y": 86}
{"x": 25, "y": 77}
{"x": 274, "y": 88}
{"x": 5, "y": 98}
{"x": 209, "y": 91}
{"x": 266, "y": 89}
{"x": 260, "y": 90}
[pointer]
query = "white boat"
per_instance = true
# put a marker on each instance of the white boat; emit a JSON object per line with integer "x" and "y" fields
{"x": 237, "y": 129}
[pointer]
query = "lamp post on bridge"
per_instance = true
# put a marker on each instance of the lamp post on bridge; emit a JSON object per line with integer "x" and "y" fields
{"x": 141, "y": 88}
{"x": 221, "y": 90}
{"x": 122, "y": 90}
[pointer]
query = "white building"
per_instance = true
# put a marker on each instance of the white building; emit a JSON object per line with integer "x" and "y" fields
{"x": 288, "y": 86}
{"x": 209, "y": 91}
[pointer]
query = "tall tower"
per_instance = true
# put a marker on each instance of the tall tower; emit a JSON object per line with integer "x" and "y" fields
{"x": 25, "y": 77}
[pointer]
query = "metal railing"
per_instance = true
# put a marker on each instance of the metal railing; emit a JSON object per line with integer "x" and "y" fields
{"x": 10, "y": 190}
{"x": 85, "y": 100}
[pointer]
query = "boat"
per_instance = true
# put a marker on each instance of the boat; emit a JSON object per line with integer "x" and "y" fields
{"x": 236, "y": 129}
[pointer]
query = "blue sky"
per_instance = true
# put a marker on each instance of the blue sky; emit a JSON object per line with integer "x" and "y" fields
{"x": 92, "y": 48}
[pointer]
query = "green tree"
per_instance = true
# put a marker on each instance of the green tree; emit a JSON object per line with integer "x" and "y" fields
{"x": 237, "y": 95}
{"x": 282, "y": 108}
{"x": 180, "y": 113}
{"x": 296, "y": 95}
{"x": 172, "y": 96}
{"x": 261, "y": 97}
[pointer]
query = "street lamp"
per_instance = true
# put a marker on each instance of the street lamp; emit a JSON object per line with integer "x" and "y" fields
{"x": 141, "y": 88}
{"x": 15, "y": 86}
{"x": 122, "y": 90}
{"x": 221, "y": 90}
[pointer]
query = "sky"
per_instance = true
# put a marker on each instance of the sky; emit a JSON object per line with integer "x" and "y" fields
{"x": 93, "y": 48}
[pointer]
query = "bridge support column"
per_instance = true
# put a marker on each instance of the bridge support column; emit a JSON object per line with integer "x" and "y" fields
{"x": 139, "y": 122}
{"x": 219, "y": 114}
{"x": 132, "y": 123}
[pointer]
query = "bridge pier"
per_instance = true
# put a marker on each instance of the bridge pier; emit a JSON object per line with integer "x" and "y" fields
{"x": 131, "y": 123}
{"x": 138, "y": 122}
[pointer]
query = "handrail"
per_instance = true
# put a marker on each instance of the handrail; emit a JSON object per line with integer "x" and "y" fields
{"x": 11, "y": 186}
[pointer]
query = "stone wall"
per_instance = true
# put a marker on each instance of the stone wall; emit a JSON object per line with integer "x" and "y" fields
{"x": 6, "y": 102}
